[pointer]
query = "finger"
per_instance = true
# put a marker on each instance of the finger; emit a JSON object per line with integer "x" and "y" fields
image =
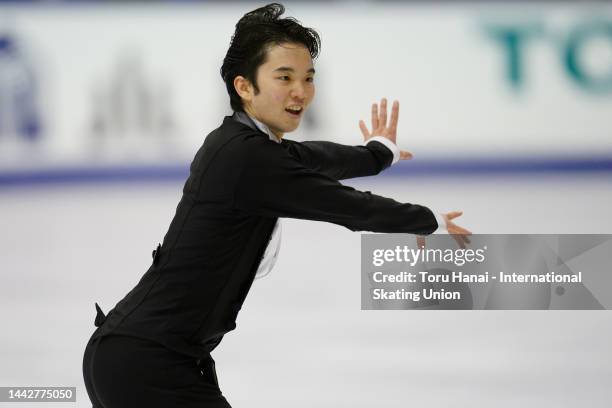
{"x": 454, "y": 214}
{"x": 374, "y": 117}
{"x": 459, "y": 241}
{"x": 364, "y": 130}
{"x": 458, "y": 238}
{"x": 382, "y": 117}
{"x": 455, "y": 229}
{"x": 420, "y": 241}
{"x": 394, "y": 119}
{"x": 405, "y": 155}
{"x": 463, "y": 237}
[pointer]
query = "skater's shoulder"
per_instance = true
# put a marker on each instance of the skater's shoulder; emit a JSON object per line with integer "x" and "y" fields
{"x": 239, "y": 133}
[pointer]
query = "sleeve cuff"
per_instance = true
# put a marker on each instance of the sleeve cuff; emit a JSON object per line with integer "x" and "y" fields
{"x": 389, "y": 145}
{"x": 441, "y": 223}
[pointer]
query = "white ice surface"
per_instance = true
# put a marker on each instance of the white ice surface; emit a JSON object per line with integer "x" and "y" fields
{"x": 302, "y": 340}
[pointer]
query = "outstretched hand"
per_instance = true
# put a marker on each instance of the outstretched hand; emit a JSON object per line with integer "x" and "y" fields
{"x": 459, "y": 234}
{"x": 379, "y": 125}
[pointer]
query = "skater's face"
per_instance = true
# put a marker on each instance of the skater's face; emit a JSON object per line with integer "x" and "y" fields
{"x": 286, "y": 87}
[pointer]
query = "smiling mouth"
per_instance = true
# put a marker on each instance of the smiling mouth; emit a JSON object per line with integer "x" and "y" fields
{"x": 295, "y": 111}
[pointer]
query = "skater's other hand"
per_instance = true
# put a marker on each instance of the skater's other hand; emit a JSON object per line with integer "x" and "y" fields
{"x": 459, "y": 234}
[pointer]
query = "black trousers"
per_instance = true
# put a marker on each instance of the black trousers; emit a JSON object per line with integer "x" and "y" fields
{"x": 127, "y": 372}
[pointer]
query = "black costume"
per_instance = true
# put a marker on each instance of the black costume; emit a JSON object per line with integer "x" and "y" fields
{"x": 240, "y": 183}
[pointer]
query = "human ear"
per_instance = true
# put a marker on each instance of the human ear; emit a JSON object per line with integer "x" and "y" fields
{"x": 243, "y": 87}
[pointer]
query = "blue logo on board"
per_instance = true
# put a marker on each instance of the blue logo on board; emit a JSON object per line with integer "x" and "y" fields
{"x": 19, "y": 114}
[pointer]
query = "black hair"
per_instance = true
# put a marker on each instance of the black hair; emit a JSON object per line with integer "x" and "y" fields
{"x": 255, "y": 32}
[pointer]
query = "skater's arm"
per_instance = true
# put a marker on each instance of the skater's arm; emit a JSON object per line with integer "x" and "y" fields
{"x": 339, "y": 161}
{"x": 274, "y": 183}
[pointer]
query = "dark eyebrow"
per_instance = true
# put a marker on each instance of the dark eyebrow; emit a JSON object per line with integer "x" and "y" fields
{"x": 289, "y": 69}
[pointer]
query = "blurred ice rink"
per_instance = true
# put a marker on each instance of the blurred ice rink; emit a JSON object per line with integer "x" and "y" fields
{"x": 302, "y": 340}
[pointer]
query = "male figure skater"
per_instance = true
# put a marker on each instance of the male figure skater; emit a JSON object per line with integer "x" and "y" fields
{"x": 153, "y": 349}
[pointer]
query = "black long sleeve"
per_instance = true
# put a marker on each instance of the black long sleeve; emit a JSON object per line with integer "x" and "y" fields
{"x": 274, "y": 183}
{"x": 339, "y": 161}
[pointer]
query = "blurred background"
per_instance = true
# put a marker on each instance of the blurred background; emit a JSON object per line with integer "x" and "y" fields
{"x": 507, "y": 107}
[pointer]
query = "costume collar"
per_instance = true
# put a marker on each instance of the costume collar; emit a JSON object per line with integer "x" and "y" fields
{"x": 253, "y": 123}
